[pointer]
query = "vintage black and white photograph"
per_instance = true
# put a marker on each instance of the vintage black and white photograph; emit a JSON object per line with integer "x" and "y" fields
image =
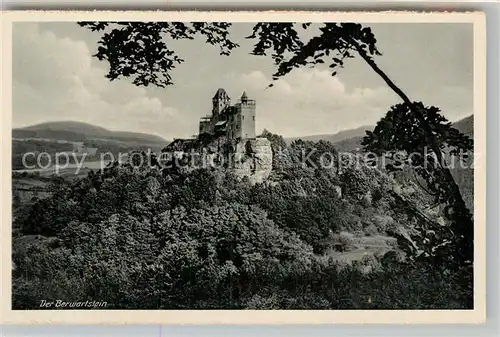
{"x": 217, "y": 164}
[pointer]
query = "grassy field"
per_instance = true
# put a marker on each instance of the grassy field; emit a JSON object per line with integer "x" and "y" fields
{"x": 35, "y": 183}
{"x": 365, "y": 246}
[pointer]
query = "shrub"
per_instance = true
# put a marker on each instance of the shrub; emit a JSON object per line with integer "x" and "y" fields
{"x": 371, "y": 230}
{"x": 377, "y": 195}
{"x": 344, "y": 241}
{"x": 382, "y": 222}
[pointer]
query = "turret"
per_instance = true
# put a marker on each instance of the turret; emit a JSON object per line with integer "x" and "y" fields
{"x": 220, "y": 102}
{"x": 245, "y": 126}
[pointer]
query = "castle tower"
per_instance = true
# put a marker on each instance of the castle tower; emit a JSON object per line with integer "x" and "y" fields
{"x": 220, "y": 102}
{"x": 244, "y": 126}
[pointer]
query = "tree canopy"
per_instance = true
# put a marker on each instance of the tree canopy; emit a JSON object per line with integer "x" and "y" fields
{"x": 140, "y": 50}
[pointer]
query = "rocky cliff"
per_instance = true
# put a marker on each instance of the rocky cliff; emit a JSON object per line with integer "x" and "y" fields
{"x": 254, "y": 159}
{"x": 246, "y": 158}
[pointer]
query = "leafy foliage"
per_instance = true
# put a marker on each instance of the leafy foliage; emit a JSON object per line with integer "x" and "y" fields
{"x": 335, "y": 43}
{"x": 140, "y": 50}
{"x": 411, "y": 135}
{"x": 419, "y": 141}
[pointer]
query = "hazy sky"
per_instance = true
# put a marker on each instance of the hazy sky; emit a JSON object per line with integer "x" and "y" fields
{"x": 55, "y": 78}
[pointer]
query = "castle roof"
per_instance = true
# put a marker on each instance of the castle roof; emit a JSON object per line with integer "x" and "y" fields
{"x": 244, "y": 96}
{"x": 179, "y": 144}
{"x": 220, "y": 92}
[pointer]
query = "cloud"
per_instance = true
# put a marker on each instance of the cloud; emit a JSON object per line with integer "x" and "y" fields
{"x": 311, "y": 101}
{"x": 54, "y": 79}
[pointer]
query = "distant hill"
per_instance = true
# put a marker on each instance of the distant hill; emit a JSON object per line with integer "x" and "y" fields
{"x": 336, "y": 137}
{"x": 138, "y": 136}
{"x": 70, "y": 126}
{"x": 465, "y": 126}
{"x": 78, "y": 131}
{"x": 350, "y": 140}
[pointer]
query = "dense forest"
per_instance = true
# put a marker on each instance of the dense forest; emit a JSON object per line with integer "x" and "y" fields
{"x": 149, "y": 238}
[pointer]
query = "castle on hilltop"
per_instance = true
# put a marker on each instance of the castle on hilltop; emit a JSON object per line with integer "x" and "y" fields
{"x": 234, "y": 121}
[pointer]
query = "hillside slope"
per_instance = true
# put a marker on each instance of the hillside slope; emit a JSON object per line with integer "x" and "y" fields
{"x": 336, "y": 137}
{"x": 350, "y": 140}
{"x": 69, "y": 126}
{"x": 465, "y": 125}
{"x": 79, "y": 131}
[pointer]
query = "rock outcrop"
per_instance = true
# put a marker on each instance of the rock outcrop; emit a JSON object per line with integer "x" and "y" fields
{"x": 253, "y": 159}
{"x": 250, "y": 158}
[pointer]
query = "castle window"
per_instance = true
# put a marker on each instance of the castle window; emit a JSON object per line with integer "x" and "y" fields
{"x": 253, "y": 118}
